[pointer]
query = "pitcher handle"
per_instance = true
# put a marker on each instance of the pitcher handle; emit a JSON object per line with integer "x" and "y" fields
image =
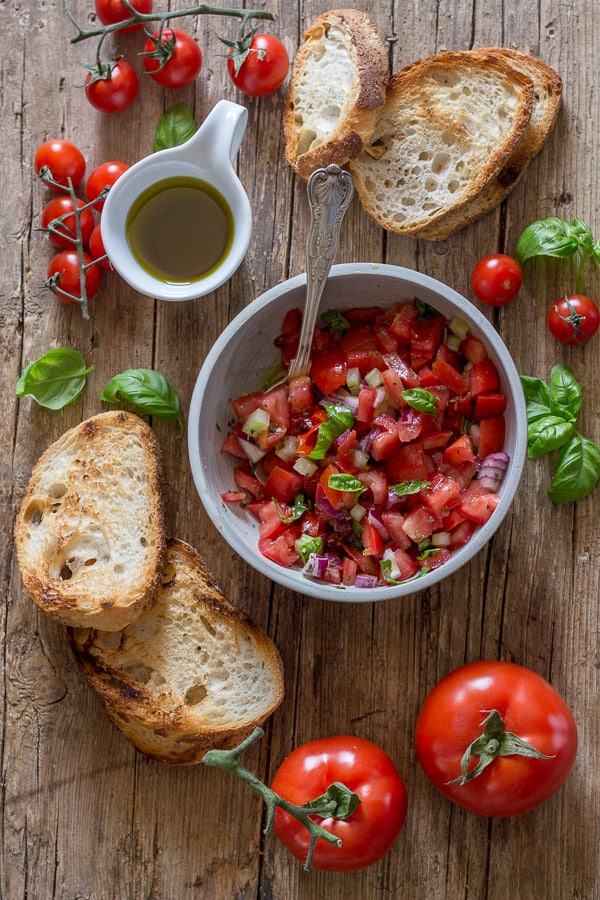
{"x": 221, "y": 132}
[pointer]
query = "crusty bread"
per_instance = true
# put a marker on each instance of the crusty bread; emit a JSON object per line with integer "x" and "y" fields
{"x": 337, "y": 85}
{"x": 90, "y": 534}
{"x": 449, "y": 123}
{"x": 192, "y": 673}
{"x": 547, "y": 94}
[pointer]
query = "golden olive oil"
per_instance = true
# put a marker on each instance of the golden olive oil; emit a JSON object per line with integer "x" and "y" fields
{"x": 180, "y": 229}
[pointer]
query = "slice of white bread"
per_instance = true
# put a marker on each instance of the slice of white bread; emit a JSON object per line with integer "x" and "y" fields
{"x": 90, "y": 534}
{"x": 337, "y": 85}
{"x": 449, "y": 123}
{"x": 192, "y": 673}
{"x": 547, "y": 94}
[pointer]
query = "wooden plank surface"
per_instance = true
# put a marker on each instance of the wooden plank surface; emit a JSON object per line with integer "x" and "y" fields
{"x": 84, "y": 815}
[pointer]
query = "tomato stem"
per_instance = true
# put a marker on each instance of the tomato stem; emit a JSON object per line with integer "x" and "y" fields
{"x": 494, "y": 741}
{"x": 338, "y": 802}
{"x": 137, "y": 18}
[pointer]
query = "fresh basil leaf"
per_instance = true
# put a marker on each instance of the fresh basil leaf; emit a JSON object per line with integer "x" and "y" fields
{"x": 421, "y": 400}
{"x": 175, "y": 127}
{"x": 425, "y": 310}
{"x": 306, "y": 545}
{"x": 340, "y": 481}
{"x": 386, "y": 571}
{"x": 577, "y": 472}
{"x": 295, "y": 511}
{"x": 339, "y": 419}
{"x": 55, "y": 379}
{"x": 547, "y": 237}
{"x": 584, "y": 236}
{"x": 404, "y": 488}
{"x": 565, "y": 393}
{"x": 535, "y": 389}
{"x": 148, "y": 391}
{"x": 596, "y": 251}
{"x": 537, "y": 411}
{"x": 335, "y": 320}
{"x": 548, "y": 434}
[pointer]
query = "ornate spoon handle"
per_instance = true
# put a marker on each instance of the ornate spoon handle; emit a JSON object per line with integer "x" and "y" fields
{"x": 330, "y": 192}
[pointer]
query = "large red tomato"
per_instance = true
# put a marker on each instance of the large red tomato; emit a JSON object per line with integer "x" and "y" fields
{"x": 496, "y": 738}
{"x": 370, "y": 830}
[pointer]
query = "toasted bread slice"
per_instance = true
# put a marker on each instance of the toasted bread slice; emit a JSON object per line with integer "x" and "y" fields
{"x": 90, "y": 534}
{"x": 448, "y": 125}
{"x": 192, "y": 673}
{"x": 337, "y": 85}
{"x": 547, "y": 95}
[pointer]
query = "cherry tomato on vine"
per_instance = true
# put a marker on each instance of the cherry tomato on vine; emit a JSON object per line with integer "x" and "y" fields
{"x": 64, "y": 232}
{"x": 112, "y": 11}
{"x": 496, "y": 279}
{"x": 175, "y": 60}
{"x": 114, "y": 88}
{"x": 258, "y": 66}
{"x": 64, "y": 275}
{"x": 63, "y": 160}
{"x": 573, "y": 319}
{"x": 104, "y": 176}
{"x": 97, "y": 251}
{"x": 367, "y": 833}
{"x": 482, "y": 711}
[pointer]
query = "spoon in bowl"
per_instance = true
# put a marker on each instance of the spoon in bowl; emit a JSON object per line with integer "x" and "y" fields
{"x": 330, "y": 191}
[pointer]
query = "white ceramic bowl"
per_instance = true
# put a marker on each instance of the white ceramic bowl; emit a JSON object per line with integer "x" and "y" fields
{"x": 244, "y": 352}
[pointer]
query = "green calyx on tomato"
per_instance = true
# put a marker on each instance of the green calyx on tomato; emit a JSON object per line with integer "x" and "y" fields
{"x": 494, "y": 741}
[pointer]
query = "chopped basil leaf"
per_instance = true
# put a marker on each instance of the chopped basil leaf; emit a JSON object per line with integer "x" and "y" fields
{"x": 335, "y": 320}
{"x": 409, "y": 487}
{"x": 421, "y": 400}
{"x": 339, "y": 419}
{"x": 306, "y": 545}
{"x": 342, "y": 482}
{"x": 296, "y": 510}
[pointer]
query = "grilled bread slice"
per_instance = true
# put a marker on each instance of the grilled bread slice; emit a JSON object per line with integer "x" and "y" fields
{"x": 191, "y": 674}
{"x": 547, "y": 95}
{"x": 336, "y": 88}
{"x": 90, "y": 534}
{"x": 448, "y": 125}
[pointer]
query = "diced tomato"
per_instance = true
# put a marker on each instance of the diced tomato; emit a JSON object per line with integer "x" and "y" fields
{"x": 386, "y": 342}
{"x": 492, "y": 433}
{"x": 281, "y": 550}
{"x": 283, "y": 484}
{"x": 338, "y": 499}
{"x": 301, "y": 394}
{"x": 408, "y": 375}
{"x": 436, "y": 439}
{"x": 329, "y": 370}
{"x": 276, "y": 403}
{"x": 393, "y": 521}
{"x": 460, "y": 451}
{"x": 435, "y": 560}
{"x": 233, "y": 496}
{"x": 425, "y": 338}
{"x": 449, "y": 376}
{"x": 363, "y": 315}
{"x": 349, "y": 571}
{"x": 420, "y": 523}
{"x": 232, "y": 446}
{"x": 473, "y": 349}
{"x": 407, "y": 565}
{"x": 478, "y": 503}
{"x": 409, "y": 425}
{"x": 377, "y": 484}
{"x": 441, "y": 495}
{"x": 483, "y": 377}
{"x": 406, "y": 463}
{"x": 268, "y": 514}
{"x": 365, "y": 564}
{"x": 394, "y": 385}
{"x": 400, "y": 325}
{"x": 383, "y": 444}
{"x": 462, "y": 534}
{"x": 366, "y": 403}
{"x": 245, "y": 480}
{"x": 488, "y": 405}
{"x": 426, "y": 377}
{"x": 371, "y": 538}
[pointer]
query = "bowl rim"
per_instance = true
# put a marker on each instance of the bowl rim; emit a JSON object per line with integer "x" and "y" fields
{"x": 293, "y": 578}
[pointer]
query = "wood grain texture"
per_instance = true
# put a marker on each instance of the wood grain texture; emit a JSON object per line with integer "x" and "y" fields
{"x": 84, "y": 815}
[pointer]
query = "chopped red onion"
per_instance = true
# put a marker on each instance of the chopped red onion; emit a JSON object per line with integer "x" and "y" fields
{"x": 492, "y": 470}
{"x": 365, "y": 581}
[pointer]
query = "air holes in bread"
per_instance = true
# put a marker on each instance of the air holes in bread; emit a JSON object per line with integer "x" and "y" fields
{"x": 84, "y": 551}
{"x": 195, "y": 694}
{"x": 34, "y": 513}
{"x": 139, "y": 672}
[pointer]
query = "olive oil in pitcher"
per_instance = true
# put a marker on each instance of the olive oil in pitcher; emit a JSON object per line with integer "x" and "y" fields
{"x": 180, "y": 229}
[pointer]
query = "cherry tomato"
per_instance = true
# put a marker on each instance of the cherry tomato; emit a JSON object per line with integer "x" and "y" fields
{"x": 102, "y": 177}
{"x": 63, "y": 161}
{"x": 368, "y": 832}
{"x": 66, "y": 230}
{"x": 114, "y": 92}
{"x": 496, "y": 279}
{"x": 97, "y": 251}
{"x": 264, "y": 67}
{"x": 529, "y": 710}
{"x": 573, "y": 319}
{"x": 64, "y": 275}
{"x": 111, "y": 11}
{"x": 175, "y": 61}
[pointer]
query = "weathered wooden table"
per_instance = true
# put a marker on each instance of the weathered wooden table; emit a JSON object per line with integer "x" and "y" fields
{"x": 84, "y": 815}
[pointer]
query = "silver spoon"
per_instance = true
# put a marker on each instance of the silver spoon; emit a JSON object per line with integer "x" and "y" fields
{"x": 330, "y": 191}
